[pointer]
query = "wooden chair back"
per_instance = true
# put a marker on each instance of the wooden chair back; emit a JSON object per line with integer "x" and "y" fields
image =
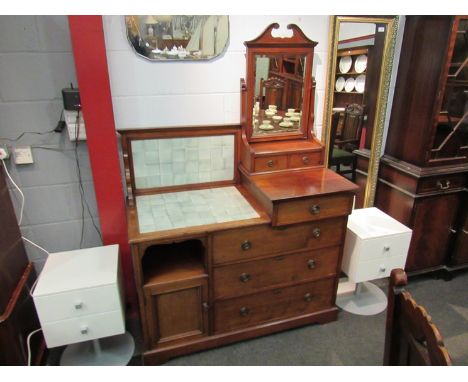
{"x": 411, "y": 338}
{"x": 333, "y": 131}
{"x": 352, "y": 127}
{"x": 272, "y": 92}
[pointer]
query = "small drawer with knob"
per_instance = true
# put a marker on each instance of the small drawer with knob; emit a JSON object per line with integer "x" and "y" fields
{"x": 250, "y": 277}
{"x": 271, "y": 163}
{"x": 243, "y": 244}
{"x": 313, "y": 208}
{"x": 273, "y": 304}
{"x": 305, "y": 160}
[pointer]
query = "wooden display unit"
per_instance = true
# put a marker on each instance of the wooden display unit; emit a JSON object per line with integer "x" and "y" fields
{"x": 212, "y": 284}
{"x": 424, "y": 173}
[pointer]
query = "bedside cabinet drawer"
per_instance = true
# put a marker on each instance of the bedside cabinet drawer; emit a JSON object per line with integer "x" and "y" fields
{"x": 274, "y": 162}
{"x": 249, "y": 277}
{"x": 83, "y": 302}
{"x": 384, "y": 247}
{"x": 315, "y": 208}
{"x": 273, "y": 305}
{"x": 375, "y": 269}
{"x": 247, "y": 243}
{"x": 81, "y": 329}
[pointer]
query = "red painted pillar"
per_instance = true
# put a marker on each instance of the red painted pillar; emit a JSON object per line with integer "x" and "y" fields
{"x": 89, "y": 50}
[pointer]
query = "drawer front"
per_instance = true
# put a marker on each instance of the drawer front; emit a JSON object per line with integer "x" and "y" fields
{"x": 304, "y": 160}
{"x": 376, "y": 269}
{"x": 385, "y": 247}
{"x": 84, "y": 328}
{"x": 275, "y": 162}
{"x": 442, "y": 183}
{"x": 297, "y": 211}
{"x": 247, "y": 243}
{"x": 61, "y": 306}
{"x": 273, "y": 305}
{"x": 249, "y": 277}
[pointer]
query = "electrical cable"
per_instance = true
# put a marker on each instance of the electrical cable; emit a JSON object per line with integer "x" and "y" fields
{"x": 18, "y": 189}
{"x": 28, "y": 340}
{"x": 27, "y": 132}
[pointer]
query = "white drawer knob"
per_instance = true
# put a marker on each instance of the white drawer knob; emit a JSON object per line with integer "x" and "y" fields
{"x": 84, "y": 330}
{"x": 386, "y": 248}
{"x": 382, "y": 268}
{"x": 78, "y": 305}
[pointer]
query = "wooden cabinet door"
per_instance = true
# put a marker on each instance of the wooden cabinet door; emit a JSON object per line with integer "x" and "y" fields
{"x": 460, "y": 248}
{"x": 433, "y": 221}
{"x": 177, "y": 311}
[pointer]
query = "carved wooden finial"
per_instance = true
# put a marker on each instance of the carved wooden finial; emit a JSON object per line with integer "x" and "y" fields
{"x": 266, "y": 38}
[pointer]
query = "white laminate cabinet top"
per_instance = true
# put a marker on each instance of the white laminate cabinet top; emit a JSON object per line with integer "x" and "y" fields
{"x": 370, "y": 223}
{"x": 78, "y": 269}
{"x": 192, "y": 208}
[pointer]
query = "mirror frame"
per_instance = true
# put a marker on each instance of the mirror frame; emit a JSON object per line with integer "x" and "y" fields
{"x": 266, "y": 44}
{"x": 391, "y": 23}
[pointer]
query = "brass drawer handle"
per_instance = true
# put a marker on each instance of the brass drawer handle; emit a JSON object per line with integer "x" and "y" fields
{"x": 244, "y": 311}
{"x": 316, "y": 232}
{"x": 270, "y": 163}
{"x": 307, "y": 297}
{"x": 246, "y": 245}
{"x": 244, "y": 277}
{"x": 311, "y": 264}
{"x": 314, "y": 209}
{"x": 305, "y": 159}
{"x": 443, "y": 187}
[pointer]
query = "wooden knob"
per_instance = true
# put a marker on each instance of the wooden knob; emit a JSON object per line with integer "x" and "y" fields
{"x": 316, "y": 232}
{"x": 305, "y": 159}
{"x": 307, "y": 297}
{"x": 244, "y": 277}
{"x": 244, "y": 311}
{"x": 206, "y": 306}
{"x": 270, "y": 163}
{"x": 311, "y": 264}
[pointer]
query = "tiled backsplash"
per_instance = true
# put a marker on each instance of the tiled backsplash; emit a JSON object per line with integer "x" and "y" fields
{"x": 192, "y": 208}
{"x": 177, "y": 161}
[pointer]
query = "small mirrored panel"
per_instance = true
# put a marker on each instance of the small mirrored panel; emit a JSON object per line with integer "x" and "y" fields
{"x": 279, "y": 93}
{"x": 178, "y": 37}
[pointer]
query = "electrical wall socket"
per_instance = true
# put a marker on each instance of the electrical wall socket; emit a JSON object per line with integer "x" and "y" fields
{"x": 4, "y": 153}
{"x": 23, "y": 155}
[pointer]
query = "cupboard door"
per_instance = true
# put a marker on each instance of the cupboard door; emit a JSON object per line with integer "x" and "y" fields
{"x": 177, "y": 311}
{"x": 460, "y": 249}
{"x": 433, "y": 220}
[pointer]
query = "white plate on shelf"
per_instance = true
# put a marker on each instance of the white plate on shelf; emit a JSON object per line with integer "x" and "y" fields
{"x": 339, "y": 84}
{"x": 361, "y": 63}
{"x": 295, "y": 119}
{"x": 345, "y": 64}
{"x": 360, "y": 83}
{"x": 286, "y": 124}
{"x": 349, "y": 84}
{"x": 266, "y": 127}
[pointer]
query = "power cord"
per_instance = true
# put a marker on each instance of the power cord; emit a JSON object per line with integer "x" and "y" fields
{"x": 28, "y": 343}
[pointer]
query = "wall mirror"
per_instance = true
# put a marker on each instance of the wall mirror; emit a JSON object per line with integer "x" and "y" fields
{"x": 181, "y": 37}
{"x": 358, "y": 79}
{"x": 279, "y": 85}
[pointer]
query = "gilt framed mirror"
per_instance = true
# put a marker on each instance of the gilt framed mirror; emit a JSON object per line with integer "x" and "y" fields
{"x": 278, "y": 92}
{"x": 358, "y": 81}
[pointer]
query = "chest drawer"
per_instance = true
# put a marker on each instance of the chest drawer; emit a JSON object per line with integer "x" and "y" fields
{"x": 274, "y": 162}
{"x": 84, "y": 328}
{"x": 314, "y": 208}
{"x": 442, "y": 183}
{"x": 273, "y": 305}
{"x": 249, "y": 277}
{"x": 247, "y": 243}
{"x": 82, "y": 302}
{"x": 304, "y": 160}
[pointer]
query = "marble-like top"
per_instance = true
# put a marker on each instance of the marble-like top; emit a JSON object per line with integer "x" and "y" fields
{"x": 192, "y": 208}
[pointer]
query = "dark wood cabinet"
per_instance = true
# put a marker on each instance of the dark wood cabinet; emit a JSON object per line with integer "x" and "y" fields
{"x": 423, "y": 176}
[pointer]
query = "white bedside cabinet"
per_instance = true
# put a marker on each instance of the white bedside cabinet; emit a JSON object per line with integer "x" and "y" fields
{"x": 78, "y": 296}
{"x": 375, "y": 244}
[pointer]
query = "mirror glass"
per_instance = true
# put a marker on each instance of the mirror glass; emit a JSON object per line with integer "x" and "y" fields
{"x": 355, "y": 72}
{"x": 183, "y": 37}
{"x": 278, "y": 94}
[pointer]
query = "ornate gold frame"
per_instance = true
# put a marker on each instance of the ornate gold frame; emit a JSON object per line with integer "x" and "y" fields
{"x": 382, "y": 97}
